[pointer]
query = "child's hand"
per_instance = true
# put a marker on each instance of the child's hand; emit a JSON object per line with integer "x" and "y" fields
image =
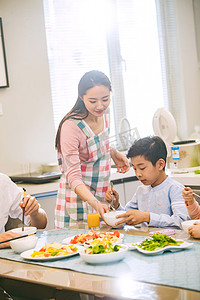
{"x": 110, "y": 195}
{"x": 188, "y": 196}
{"x": 194, "y": 230}
{"x": 31, "y": 206}
{"x": 134, "y": 217}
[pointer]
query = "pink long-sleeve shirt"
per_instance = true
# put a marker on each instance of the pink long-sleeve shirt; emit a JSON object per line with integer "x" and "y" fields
{"x": 194, "y": 210}
{"x": 74, "y": 150}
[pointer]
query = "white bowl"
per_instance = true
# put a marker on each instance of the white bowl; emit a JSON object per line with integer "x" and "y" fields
{"x": 187, "y": 224}
{"x": 27, "y": 230}
{"x": 23, "y": 244}
{"x": 110, "y": 218}
{"x": 105, "y": 257}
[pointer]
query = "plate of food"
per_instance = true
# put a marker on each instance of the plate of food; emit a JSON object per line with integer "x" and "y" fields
{"x": 101, "y": 254}
{"x": 158, "y": 244}
{"x": 51, "y": 251}
{"x": 83, "y": 238}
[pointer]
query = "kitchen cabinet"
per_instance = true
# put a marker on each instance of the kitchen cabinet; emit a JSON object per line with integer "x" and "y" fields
{"x": 126, "y": 190}
{"x": 130, "y": 189}
{"x": 121, "y": 191}
{"x": 48, "y": 203}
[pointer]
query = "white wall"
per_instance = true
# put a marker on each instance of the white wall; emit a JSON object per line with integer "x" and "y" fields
{"x": 190, "y": 67}
{"x": 26, "y": 128}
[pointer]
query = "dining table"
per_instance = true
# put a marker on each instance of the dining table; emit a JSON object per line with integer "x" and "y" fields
{"x": 171, "y": 275}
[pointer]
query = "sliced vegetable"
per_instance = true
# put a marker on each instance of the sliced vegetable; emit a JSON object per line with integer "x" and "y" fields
{"x": 91, "y": 235}
{"x": 102, "y": 248}
{"x": 158, "y": 241}
{"x": 54, "y": 249}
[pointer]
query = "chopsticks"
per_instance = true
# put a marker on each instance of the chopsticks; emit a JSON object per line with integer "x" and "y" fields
{"x": 192, "y": 193}
{"x": 19, "y": 237}
{"x": 23, "y": 208}
{"x": 196, "y": 195}
{"x": 111, "y": 204}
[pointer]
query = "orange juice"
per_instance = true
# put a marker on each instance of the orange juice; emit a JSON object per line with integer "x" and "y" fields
{"x": 93, "y": 220}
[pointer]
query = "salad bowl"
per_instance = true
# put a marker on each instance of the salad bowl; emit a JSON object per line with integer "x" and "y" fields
{"x": 102, "y": 258}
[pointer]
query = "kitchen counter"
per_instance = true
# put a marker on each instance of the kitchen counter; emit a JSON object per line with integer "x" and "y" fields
{"x": 190, "y": 179}
{"x": 187, "y": 179}
{"x": 35, "y": 188}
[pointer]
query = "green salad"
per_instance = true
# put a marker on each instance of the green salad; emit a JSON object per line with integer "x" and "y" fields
{"x": 197, "y": 171}
{"x": 158, "y": 241}
{"x": 102, "y": 248}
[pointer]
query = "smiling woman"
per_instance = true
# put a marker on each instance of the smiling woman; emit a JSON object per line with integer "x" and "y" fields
{"x": 84, "y": 153}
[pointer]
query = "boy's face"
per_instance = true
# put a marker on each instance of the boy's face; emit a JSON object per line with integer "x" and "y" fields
{"x": 146, "y": 172}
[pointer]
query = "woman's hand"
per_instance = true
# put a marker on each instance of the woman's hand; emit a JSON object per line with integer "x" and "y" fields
{"x": 194, "y": 230}
{"x": 102, "y": 209}
{"x": 188, "y": 196}
{"x": 112, "y": 195}
{"x": 120, "y": 161}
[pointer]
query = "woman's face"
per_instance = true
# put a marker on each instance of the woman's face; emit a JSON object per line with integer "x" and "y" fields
{"x": 97, "y": 100}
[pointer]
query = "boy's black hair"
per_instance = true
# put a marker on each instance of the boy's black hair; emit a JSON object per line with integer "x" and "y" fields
{"x": 152, "y": 148}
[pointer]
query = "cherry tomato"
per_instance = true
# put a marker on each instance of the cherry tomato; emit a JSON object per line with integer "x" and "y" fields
{"x": 116, "y": 233}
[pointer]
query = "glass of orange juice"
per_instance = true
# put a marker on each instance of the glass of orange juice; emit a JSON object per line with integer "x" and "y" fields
{"x": 93, "y": 217}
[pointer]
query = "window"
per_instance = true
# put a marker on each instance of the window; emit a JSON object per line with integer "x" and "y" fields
{"x": 119, "y": 38}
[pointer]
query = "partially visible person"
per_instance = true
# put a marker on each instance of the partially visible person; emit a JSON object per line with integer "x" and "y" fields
{"x": 193, "y": 210}
{"x": 7, "y": 236}
{"x": 11, "y": 204}
{"x": 159, "y": 200}
{"x": 84, "y": 153}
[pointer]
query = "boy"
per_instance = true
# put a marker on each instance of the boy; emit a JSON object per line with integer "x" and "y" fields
{"x": 159, "y": 200}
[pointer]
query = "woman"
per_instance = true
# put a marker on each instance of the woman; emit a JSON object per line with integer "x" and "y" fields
{"x": 82, "y": 143}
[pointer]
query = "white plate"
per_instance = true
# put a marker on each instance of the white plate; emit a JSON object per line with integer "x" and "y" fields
{"x": 27, "y": 255}
{"x": 183, "y": 246}
{"x": 104, "y": 257}
{"x": 68, "y": 239}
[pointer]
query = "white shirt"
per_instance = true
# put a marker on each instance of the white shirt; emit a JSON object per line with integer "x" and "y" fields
{"x": 10, "y": 197}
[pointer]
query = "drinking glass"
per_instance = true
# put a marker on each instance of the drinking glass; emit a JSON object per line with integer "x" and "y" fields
{"x": 93, "y": 217}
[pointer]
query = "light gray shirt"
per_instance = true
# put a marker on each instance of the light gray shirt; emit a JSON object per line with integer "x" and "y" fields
{"x": 164, "y": 202}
